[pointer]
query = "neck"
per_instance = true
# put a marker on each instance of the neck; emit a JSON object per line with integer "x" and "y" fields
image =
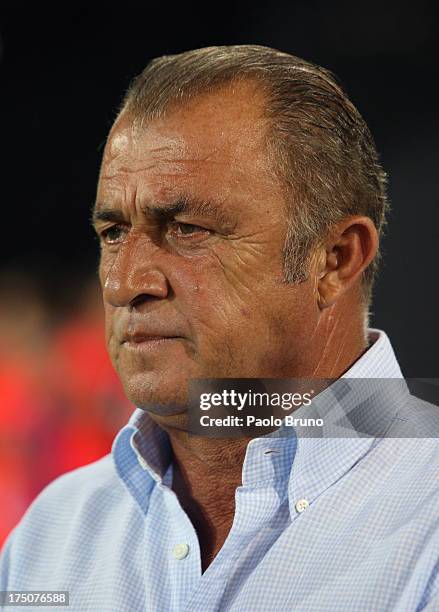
{"x": 337, "y": 342}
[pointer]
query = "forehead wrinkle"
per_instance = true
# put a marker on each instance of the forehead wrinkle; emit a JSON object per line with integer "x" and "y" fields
{"x": 171, "y": 207}
{"x": 131, "y": 151}
{"x": 127, "y": 140}
{"x": 129, "y": 165}
{"x": 130, "y": 141}
{"x": 186, "y": 204}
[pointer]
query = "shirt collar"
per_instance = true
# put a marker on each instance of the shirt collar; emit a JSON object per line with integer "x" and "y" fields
{"x": 141, "y": 454}
{"x": 359, "y": 412}
{"x": 358, "y": 415}
{"x": 379, "y": 360}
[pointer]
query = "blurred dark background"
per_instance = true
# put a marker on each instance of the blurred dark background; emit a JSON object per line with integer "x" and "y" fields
{"x": 62, "y": 74}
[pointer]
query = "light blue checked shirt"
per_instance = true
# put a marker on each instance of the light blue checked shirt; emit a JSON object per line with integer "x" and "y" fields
{"x": 329, "y": 524}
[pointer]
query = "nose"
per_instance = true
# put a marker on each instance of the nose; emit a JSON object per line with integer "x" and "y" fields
{"x": 133, "y": 277}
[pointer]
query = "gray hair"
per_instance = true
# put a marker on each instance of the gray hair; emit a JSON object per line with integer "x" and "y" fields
{"x": 323, "y": 150}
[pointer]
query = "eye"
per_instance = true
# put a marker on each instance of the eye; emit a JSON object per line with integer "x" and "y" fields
{"x": 179, "y": 229}
{"x": 113, "y": 234}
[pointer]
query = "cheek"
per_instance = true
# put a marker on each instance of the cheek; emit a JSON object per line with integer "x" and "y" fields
{"x": 104, "y": 264}
{"x": 229, "y": 330}
{"x": 209, "y": 301}
{"x": 109, "y": 314}
{"x": 109, "y": 310}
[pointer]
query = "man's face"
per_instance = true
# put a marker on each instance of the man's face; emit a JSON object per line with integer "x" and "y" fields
{"x": 192, "y": 224}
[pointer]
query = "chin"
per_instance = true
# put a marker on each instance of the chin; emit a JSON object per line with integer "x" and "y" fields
{"x": 156, "y": 395}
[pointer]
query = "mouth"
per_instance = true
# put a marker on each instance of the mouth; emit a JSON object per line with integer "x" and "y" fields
{"x": 143, "y": 341}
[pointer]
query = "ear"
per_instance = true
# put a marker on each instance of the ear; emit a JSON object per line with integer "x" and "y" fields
{"x": 345, "y": 255}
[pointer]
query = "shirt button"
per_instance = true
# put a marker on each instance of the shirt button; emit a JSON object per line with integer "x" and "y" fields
{"x": 180, "y": 551}
{"x": 301, "y": 505}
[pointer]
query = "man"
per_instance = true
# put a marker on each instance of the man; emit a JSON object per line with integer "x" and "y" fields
{"x": 239, "y": 209}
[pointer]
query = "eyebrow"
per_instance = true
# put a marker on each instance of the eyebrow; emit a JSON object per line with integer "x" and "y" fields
{"x": 202, "y": 208}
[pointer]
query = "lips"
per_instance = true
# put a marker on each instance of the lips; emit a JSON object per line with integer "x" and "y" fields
{"x": 134, "y": 328}
{"x": 146, "y": 335}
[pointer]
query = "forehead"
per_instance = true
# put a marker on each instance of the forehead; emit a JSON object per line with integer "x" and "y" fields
{"x": 219, "y": 136}
{"x": 226, "y": 115}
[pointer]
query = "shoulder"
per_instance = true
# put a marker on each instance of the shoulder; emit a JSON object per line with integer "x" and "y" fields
{"x": 70, "y": 520}
{"x": 72, "y": 503}
{"x": 422, "y": 416}
{"x": 416, "y": 418}
{"x": 89, "y": 490}
{"x": 409, "y": 452}
{"x": 95, "y": 482}
{"x": 83, "y": 521}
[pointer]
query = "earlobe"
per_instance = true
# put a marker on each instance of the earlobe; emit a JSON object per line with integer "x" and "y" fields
{"x": 328, "y": 290}
{"x": 321, "y": 301}
{"x": 327, "y": 286}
